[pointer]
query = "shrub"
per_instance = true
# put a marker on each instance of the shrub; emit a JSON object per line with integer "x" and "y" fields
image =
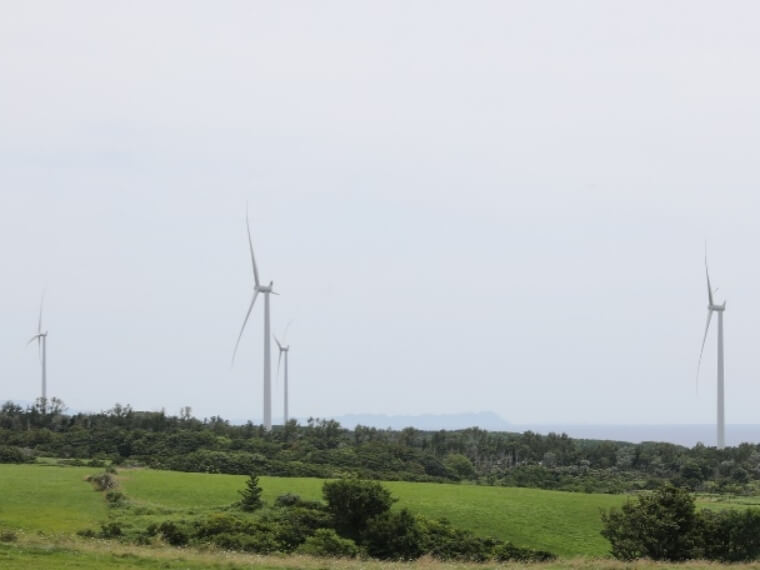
{"x": 287, "y": 500}
{"x": 509, "y": 552}
{"x": 10, "y": 454}
{"x": 294, "y": 525}
{"x": 661, "y": 526}
{"x": 110, "y": 530}
{"x": 174, "y": 533}
{"x": 326, "y": 542}
{"x": 352, "y": 502}
{"x": 262, "y": 541}
{"x": 102, "y": 482}
{"x": 219, "y": 523}
{"x": 445, "y": 542}
{"x": 394, "y": 536}
{"x": 116, "y": 499}
{"x": 730, "y": 536}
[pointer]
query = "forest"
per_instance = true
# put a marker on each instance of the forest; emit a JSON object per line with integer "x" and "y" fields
{"x": 323, "y": 448}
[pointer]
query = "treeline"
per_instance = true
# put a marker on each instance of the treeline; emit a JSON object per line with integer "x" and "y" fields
{"x": 323, "y": 448}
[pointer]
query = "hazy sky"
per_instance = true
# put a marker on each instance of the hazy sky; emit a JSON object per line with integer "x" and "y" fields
{"x": 465, "y": 205}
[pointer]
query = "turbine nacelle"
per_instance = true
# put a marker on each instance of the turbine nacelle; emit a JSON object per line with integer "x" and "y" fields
{"x": 718, "y": 308}
{"x": 266, "y": 288}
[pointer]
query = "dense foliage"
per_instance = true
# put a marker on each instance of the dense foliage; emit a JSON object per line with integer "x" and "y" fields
{"x": 323, "y": 448}
{"x": 665, "y": 525}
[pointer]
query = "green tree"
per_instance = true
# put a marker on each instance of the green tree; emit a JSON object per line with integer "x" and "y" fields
{"x": 352, "y": 502}
{"x": 662, "y": 525}
{"x": 459, "y": 464}
{"x": 251, "y": 495}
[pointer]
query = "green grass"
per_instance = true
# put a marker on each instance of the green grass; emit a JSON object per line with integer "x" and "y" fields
{"x": 567, "y": 524}
{"x": 49, "y": 499}
{"x": 57, "y": 500}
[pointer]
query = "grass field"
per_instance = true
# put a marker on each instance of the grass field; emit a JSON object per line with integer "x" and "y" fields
{"x": 55, "y": 502}
{"x": 567, "y": 524}
{"x": 50, "y": 499}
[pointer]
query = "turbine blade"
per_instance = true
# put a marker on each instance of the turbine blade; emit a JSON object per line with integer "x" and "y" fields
{"x": 285, "y": 332}
{"x": 250, "y": 245}
{"x": 247, "y": 315}
{"x": 704, "y": 340}
{"x": 277, "y": 341}
{"x": 709, "y": 287}
{"x": 279, "y": 359}
{"x": 31, "y": 340}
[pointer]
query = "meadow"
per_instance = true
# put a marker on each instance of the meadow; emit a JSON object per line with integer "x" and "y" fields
{"x": 44, "y": 506}
{"x": 567, "y": 524}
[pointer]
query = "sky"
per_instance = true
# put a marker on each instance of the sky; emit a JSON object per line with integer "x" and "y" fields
{"x": 465, "y": 206}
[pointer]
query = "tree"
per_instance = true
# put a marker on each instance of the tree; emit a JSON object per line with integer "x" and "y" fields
{"x": 251, "y": 495}
{"x": 459, "y": 464}
{"x": 352, "y": 502}
{"x": 662, "y": 526}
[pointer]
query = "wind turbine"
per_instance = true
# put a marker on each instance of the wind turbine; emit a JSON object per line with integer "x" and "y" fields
{"x": 712, "y": 307}
{"x": 283, "y": 350}
{"x": 41, "y": 338}
{"x": 266, "y": 290}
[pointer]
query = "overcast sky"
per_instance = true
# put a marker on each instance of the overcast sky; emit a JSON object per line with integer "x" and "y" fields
{"x": 465, "y": 206}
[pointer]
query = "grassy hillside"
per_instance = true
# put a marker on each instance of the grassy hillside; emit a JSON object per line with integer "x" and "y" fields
{"x": 565, "y": 523}
{"x": 50, "y": 499}
{"x": 58, "y": 500}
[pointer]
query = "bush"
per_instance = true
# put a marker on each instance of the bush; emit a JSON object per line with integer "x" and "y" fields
{"x": 10, "y": 454}
{"x": 102, "y": 482}
{"x": 287, "y": 500}
{"x": 116, "y": 499}
{"x": 174, "y": 533}
{"x": 661, "y": 526}
{"x": 352, "y": 502}
{"x": 509, "y": 552}
{"x": 110, "y": 530}
{"x": 259, "y": 542}
{"x": 219, "y": 523}
{"x": 730, "y": 536}
{"x": 445, "y": 542}
{"x": 294, "y": 525}
{"x": 394, "y": 536}
{"x": 8, "y": 536}
{"x": 326, "y": 542}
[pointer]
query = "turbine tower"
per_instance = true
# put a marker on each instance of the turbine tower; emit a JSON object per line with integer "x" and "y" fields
{"x": 283, "y": 349}
{"x": 266, "y": 290}
{"x": 41, "y": 338}
{"x": 712, "y": 307}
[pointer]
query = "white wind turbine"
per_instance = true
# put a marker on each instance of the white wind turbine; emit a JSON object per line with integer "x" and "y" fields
{"x": 41, "y": 338}
{"x": 720, "y": 309}
{"x": 265, "y": 290}
{"x": 283, "y": 350}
